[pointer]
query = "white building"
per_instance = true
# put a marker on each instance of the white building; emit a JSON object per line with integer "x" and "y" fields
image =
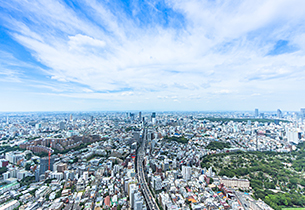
{"x": 138, "y": 201}
{"x": 13, "y": 156}
{"x": 86, "y": 175}
{"x": 9, "y": 187}
{"x": 235, "y": 183}
{"x": 6, "y": 175}
{"x": 293, "y": 136}
{"x": 10, "y": 205}
{"x": 157, "y": 182}
{"x": 132, "y": 190}
{"x": 41, "y": 191}
{"x": 56, "y": 175}
{"x": 186, "y": 172}
{"x": 22, "y": 174}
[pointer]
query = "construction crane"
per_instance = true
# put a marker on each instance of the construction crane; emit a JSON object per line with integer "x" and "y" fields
{"x": 50, "y": 151}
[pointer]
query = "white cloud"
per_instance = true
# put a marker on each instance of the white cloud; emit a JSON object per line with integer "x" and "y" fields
{"x": 80, "y": 42}
{"x": 221, "y": 48}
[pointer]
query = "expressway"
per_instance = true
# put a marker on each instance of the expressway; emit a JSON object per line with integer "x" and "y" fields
{"x": 149, "y": 198}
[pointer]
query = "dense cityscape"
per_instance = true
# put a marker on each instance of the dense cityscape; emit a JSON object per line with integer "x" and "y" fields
{"x": 152, "y": 105}
{"x": 152, "y": 160}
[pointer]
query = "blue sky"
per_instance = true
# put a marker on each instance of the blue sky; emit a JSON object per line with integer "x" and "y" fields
{"x": 202, "y": 55}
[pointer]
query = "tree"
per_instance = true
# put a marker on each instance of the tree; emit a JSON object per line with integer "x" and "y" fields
{"x": 3, "y": 170}
{"x": 28, "y": 156}
{"x": 27, "y": 166}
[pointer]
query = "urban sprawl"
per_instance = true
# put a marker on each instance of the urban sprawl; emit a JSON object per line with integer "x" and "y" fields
{"x": 149, "y": 160}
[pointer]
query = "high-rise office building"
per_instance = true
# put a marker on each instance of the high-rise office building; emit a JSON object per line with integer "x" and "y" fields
{"x": 138, "y": 201}
{"x": 153, "y": 118}
{"x": 303, "y": 113}
{"x": 132, "y": 116}
{"x": 140, "y": 116}
{"x": 131, "y": 191}
{"x": 136, "y": 136}
{"x": 153, "y": 115}
{"x": 279, "y": 113}
{"x": 44, "y": 164}
{"x": 256, "y": 113}
{"x": 37, "y": 175}
{"x": 62, "y": 125}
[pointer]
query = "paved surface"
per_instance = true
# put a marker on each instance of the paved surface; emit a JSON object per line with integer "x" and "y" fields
{"x": 149, "y": 198}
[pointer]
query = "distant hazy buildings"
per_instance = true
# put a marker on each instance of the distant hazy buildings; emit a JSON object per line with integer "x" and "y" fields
{"x": 153, "y": 118}
{"x": 302, "y": 113}
{"x": 62, "y": 125}
{"x": 279, "y": 113}
{"x": 293, "y": 136}
{"x": 256, "y": 113}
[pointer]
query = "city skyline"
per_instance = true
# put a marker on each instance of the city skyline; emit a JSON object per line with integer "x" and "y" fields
{"x": 152, "y": 55}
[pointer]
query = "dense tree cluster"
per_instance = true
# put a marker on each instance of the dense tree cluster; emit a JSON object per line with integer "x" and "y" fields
{"x": 181, "y": 139}
{"x": 240, "y": 120}
{"x": 274, "y": 177}
{"x": 214, "y": 145}
{"x": 3, "y": 170}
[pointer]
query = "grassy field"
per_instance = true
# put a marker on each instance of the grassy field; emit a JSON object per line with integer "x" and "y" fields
{"x": 293, "y": 208}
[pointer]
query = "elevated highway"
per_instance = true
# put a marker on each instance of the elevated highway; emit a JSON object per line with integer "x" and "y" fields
{"x": 149, "y": 198}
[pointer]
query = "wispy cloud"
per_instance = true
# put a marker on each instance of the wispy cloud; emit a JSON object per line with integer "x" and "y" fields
{"x": 158, "y": 49}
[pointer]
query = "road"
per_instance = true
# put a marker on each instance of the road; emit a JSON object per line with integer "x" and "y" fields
{"x": 149, "y": 198}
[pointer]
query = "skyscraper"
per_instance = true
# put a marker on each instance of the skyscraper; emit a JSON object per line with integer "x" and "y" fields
{"x": 44, "y": 164}
{"x": 153, "y": 115}
{"x": 279, "y": 113}
{"x": 256, "y": 113}
{"x": 303, "y": 113}
{"x": 153, "y": 118}
{"x": 62, "y": 125}
{"x": 132, "y": 116}
{"x": 140, "y": 116}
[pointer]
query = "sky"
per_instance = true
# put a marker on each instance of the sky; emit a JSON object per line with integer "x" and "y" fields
{"x": 167, "y": 55}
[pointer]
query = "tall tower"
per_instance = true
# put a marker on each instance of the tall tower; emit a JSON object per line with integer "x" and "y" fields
{"x": 302, "y": 113}
{"x": 140, "y": 116}
{"x": 153, "y": 115}
{"x": 256, "y": 113}
{"x": 153, "y": 118}
{"x": 279, "y": 113}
